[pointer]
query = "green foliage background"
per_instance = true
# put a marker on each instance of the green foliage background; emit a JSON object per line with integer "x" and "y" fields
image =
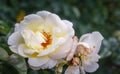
{"x": 86, "y": 15}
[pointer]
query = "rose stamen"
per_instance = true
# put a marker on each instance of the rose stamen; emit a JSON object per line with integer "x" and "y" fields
{"x": 48, "y": 40}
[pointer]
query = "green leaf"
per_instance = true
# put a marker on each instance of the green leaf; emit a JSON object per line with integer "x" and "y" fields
{"x": 19, "y": 63}
{"x": 7, "y": 68}
{"x": 3, "y": 54}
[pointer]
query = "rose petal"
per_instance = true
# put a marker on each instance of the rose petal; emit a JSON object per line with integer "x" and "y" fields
{"x": 32, "y": 22}
{"x": 31, "y": 40}
{"x": 32, "y": 18}
{"x": 72, "y": 70}
{"x": 15, "y": 39}
{"x": 94, "y": 39}
{"x": 43, "y": 14}
{"x": 62, "y": 51}
{"x": 16, "y": 27}
{"x": 21, "y": 49}
{"x": 69, "y": 27}
{"x": 84, "y": 37}
{"x": 50, "y": 64}
{"x": 91, "y": 68}
{"x": 14, "y": 48}
{"x": 37, "y": 62}
{"x": 73, "y": 49}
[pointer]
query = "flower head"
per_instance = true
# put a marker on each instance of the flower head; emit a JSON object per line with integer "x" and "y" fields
{"x": 42, "y": 38}
{"x": 87, "y": 52}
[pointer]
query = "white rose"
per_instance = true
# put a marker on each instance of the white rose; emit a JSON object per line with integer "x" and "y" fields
{"x": 43, "y": 38}
{"x": 87, "y": 50}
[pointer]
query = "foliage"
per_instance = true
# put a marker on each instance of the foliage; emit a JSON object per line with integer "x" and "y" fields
{"x": 86, "y": 15}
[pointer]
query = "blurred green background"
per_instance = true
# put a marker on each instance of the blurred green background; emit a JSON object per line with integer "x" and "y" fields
{"x": 86, "y": 15}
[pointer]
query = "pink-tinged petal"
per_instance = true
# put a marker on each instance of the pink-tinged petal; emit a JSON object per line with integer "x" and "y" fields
{"x": 73, "y": 49}
{"x": 94, "y": 40}
{"x": 50, "y": 64}
{"x": 84, "y": 37}
{"x": 37, "y": 62}
{"x": 94, "y": 57}
{"x": 72, "y": 70}
{"x": 91, "y": 68}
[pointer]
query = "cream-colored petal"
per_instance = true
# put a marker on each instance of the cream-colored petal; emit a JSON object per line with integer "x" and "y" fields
{"x": 34, "y": 68}
{"x": 43, "y": 14}
{"x": 72, "y": 70}
{"x": 52, "y": 48}
{"x": 37, "y": 62}
{"x": 68, "y": 23}
{"x": 21, "y": 49}
{"x": 50, "y": 64}
{"x": 69, "y": 27}
{"x": 31, "y": 40}
{"x": 14, "y": 49}
{"x": 63, "y": 50}
{"x": 32, "y": 22}
{"x": 91, "y": 68}
{"x": 16, "y": 27}
{"x": 32, "y": 18}
{"x": 31, "y": 51}
{"x": 15, "y": 39}
{"x": 54, "y": 20}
